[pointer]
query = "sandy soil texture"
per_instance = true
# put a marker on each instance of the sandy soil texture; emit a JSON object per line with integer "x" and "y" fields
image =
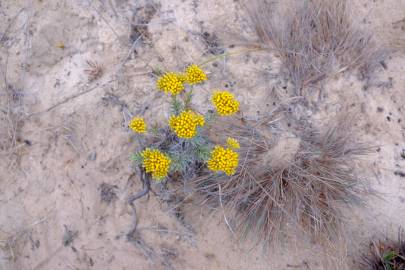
{"x": 65, "y": 179}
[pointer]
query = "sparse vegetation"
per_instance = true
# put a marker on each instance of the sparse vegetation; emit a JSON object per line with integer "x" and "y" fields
{"x": 386, "y": 255}
{"x": 94, "y": 70}
{"x": 300, "y": 182}
{"x": 11, "y": 121}
{"x": 314, "y": 39}
{"x": 181, "y": 149}
{"x": 238, "y": 146}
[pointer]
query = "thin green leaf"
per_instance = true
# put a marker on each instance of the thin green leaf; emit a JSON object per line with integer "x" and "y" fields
{"x": 176, "y": 106}
{"x": 187, "y": 99}
{"x": 137, "y": 158}
{"x": 390, "y": 255}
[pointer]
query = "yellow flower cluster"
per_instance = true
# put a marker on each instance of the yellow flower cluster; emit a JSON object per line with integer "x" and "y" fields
{"x": 223, "y": 159}
{"x": 156, "y": 163}
{"x": 232, "y": 143}
{"x": 194, "y": 75}
{"x": 171, "y": 82}
{"x": 138, "y": 125}
{"x": 185, "y": 124}
{"x": 225, "y": 103}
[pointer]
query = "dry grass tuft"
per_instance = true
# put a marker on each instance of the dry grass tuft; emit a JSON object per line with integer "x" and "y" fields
{"x": 386, "y": 255}
{"x": 395, "y": 37}
{"x": 314, "y": 39}
{"x": 94, "y": 70}
{"x": 285, "y": 179}
{"x": 398, "y": 43}
{"x": 11, "y": 121}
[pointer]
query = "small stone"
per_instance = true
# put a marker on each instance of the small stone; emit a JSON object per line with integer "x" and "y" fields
{"x": 399, "y": 173}
{"x": 92, "y": 156}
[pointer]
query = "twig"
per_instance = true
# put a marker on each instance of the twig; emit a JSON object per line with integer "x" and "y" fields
{"x": 157, "y": 229}
{"x": 105, "y": 20}
{"x": 68, "y": 99}
{"x": 10, "y": 24}
{"x": 130, "y": 51}
{"x": 133, "y": 198}
{"x": 113, "y": 8}
{"x": 298, "y": 265}
{"x": 223, "y": 210}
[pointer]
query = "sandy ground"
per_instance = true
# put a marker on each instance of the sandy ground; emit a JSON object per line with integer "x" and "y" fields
{"x": 63, "y": 192}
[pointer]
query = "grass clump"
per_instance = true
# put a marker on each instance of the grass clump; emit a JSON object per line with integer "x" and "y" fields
{"x": 314, "y": 39}
{"x": 298, "y": 180}
{"x": 386, "y": 255}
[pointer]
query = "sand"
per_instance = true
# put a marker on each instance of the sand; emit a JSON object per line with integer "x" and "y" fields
{"x": 63, "y": 188}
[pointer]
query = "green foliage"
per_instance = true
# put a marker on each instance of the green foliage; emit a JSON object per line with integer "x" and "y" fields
{"x": 154, "y": 130}
{"x": 201, "y": 147}
{"x": 187, "y": 100}
{"x": 181, "y": 139}
{"x": 389, "y": 255}
{"x": 137, "y": 158}
{"x": 157, "y": 71}
{"x": 179, "y": 162}
{"x": 203, "y": 152}
{"x": 389, "y": 259}
{"x": 176, "y": 106}
{"x": 210, "y": 116}
{"x": 187, "y": 155}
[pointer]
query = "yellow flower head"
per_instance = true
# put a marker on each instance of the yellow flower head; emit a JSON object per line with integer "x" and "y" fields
{"x": 232, "y": 143}
{"x": 225, "y": 103}
{"x": 171, "y": 82}
{"x": 156, "y": 163}
{"x": 223, "y": 159}
{"x": 185, "y": 124}
{"x": 138, "y": 125}
{"x": 194, "y": 75}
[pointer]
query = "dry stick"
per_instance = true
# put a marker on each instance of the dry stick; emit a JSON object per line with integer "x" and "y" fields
{"x": 133, "y": 198}
{"x": 223, "y": 210}
{"x": 10, "y": 24}
{"x": 45, "y": 261}
{"x": 113, "y": 8}
{"x": 70, "y": 98}
{"x": 138, "y": 242}
{"x": 105, "y": 20}
{"x": 12, "y": 128}
{"x": 129, "y": 53}
{"x": 156, "y": 228}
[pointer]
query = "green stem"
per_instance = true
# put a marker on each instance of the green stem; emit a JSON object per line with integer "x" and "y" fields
{"x": 188, "y": 96}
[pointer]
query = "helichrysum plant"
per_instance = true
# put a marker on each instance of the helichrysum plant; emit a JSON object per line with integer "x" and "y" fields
{"x": 156, "y": 163}
{"x": 223, "y": 160}
{"x": 180, "y": 147}
{"x": 171, "y": 82}
{"x": 232, "y": 143}
{"x": 194, "y": 75}
{"x": 225, "y": 103}
{"x": 138, "y": 125}
{"x": 186, "y": 123}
